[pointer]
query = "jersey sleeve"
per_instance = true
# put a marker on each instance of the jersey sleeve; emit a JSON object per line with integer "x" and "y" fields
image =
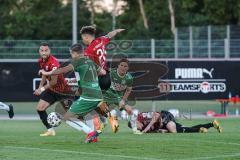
{"x": 88, "y": 51}
{"x": 129, "y": 81}
{"x": 105, "y": 39}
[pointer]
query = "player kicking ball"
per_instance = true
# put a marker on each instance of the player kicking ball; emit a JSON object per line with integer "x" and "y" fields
{"x": 118, "y": 93}
{"x": 96, "y": 50}
{"x": 91, "y": 98}
{"x": 164, "y": 122}
{"x": 8, "y": 108}
{"x": 56, "y": 90}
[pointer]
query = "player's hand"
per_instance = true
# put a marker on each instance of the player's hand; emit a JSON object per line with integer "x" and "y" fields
{"x": 102, "y": 72}
{"x": 120, "y": 30}
{"x": 42, "y": 72}
{"x": 144, "y": 131}
{"x": 121, "y": 103}
{"x": 37, "y": 92}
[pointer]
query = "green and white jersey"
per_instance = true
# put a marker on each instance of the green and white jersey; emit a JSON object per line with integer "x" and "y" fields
{"x": 86, "y": 74}
{"x": 119, "y": 84}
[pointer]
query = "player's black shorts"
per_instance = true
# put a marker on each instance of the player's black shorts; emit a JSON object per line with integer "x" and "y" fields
{"x": 52, "y": 97}
{"x": 104, "y": 81}
{"x": 179, "y": 128}
{"x": 167, "y": 117}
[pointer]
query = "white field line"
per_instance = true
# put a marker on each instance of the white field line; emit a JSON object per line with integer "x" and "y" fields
{"x": 119, "y": 156}
{"x": 79, "y": 152}
{"x": 214, "y": 157}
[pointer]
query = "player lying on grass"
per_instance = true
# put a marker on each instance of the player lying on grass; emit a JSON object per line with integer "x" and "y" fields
{"x": 164, "y": 121}
{"x": 91, "y": 97}
{"x": 8, "y": 108}
{"x": 119, "y": 91}
{"x": 96, "y": 50}
{"x": 55, "y": 90}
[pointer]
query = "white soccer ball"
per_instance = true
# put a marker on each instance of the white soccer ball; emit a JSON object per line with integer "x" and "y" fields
{"x": 54, "y": 119}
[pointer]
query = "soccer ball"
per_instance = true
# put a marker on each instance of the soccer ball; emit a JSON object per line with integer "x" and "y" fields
{"x": 54, "y": 119}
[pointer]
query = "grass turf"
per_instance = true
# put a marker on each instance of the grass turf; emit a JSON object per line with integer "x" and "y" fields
{"x": 19, "y": 140}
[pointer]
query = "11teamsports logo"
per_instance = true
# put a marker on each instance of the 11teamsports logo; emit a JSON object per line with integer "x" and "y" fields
{"x": 193, "y": 80}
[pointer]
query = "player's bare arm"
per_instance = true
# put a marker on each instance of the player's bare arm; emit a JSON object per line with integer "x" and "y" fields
{"x": 114, "y": 33}
{"x": 155, "y": 117}
{"x": 40, "y": 88}
{"x": 62, "y": 70}
{"x": 125, "y": 96}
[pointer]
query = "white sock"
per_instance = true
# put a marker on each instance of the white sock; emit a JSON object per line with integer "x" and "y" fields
{"x": 133, "y": 121}
{"x": 89, "y": 121}
{"x": 79, "y": 126}
{"x": 4, "y": 106}
{"x": 50, "y": 129}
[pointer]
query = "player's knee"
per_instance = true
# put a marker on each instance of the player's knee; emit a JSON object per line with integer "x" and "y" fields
{"x": 42, "y": 106}
{"x": 171, "y": 127}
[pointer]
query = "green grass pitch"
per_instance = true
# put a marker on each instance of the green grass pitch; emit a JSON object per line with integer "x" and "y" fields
{"x": 19, "y": 140}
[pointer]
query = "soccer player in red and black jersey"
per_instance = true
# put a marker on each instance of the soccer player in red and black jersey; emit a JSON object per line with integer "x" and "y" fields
{"x": 55, "y": 90}
{"x": 164, "y": 121}
{"x": 96, "y": 50}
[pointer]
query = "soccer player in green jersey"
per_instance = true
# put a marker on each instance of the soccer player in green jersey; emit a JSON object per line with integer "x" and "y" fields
{"x": 119, "y": 91}
{"x": 91, "y": 98}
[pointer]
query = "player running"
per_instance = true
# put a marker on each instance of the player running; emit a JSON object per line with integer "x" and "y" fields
{"x": 164, "y": 121}
{"x": 8, "y": 108}
{"x": 55, "y": 90}
{"x": 96, "y": 50}
{"x": 91, "y": 98}
{"x": 118, "y": 93}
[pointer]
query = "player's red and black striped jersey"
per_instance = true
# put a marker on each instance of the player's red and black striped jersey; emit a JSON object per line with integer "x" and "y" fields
{"x": 51, "y": 64}
{"x": 96, "y": 51}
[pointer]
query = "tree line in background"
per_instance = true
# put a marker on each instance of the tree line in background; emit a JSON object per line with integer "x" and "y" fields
{"x": 143, "y": 19}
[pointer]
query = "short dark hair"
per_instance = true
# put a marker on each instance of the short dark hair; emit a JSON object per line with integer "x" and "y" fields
{"x": 44, "y": 44}
{"x": 88, "y": 30}
{"x": 77, "y": 48}
{"x": 124, "y": 60}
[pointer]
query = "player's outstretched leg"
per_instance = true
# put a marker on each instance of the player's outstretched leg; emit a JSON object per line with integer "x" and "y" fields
{"x": 72, "y": 121}
{"x": 41, "y": 109}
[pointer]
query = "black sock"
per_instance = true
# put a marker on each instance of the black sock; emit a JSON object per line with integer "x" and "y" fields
{"x": 43, "y": 116}
{"x": 192, "y": 129}
{"x": 208, "y": 125}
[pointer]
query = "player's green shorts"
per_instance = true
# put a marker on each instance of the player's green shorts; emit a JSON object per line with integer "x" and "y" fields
{"x": 111, "y": 98}
{"x": 82, "y": 106}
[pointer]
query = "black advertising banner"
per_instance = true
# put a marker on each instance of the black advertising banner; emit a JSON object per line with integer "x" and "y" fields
{"x": 17, "y": 80}
{"x": 172, "y": 80}
{"x": 201, "y": 80}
